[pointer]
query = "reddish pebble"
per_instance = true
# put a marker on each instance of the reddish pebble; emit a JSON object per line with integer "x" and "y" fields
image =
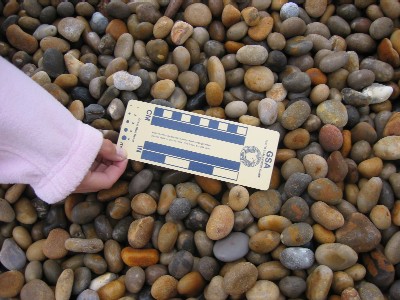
{"x": 330, "y": 138}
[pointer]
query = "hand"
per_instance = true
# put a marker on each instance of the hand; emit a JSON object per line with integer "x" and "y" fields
{"x": 108, "y": 166}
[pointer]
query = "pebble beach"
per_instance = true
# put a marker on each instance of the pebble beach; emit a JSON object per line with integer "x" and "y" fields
{"x": 324, "y": 74}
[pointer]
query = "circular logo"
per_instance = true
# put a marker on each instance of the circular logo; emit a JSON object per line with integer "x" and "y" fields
{"x": 250, "y": 156}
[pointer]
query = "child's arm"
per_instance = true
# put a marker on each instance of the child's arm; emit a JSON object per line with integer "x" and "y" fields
{"x": 41, "y": 143}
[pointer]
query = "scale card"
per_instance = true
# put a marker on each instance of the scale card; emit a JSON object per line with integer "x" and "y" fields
{"x": 199, "y": 144}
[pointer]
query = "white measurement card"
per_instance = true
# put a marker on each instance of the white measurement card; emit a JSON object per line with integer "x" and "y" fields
{"x": 199, "y": 144}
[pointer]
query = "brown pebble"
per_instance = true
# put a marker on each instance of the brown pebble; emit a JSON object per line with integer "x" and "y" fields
{"x": 139, "y": 257}
{"x": 191, "y": 285}
{"x": 11, "y": 283}
{"x": 112, "y": 290}
{"x": 220, "y": 223}
{"x": 54, "y": 247}
{"x": 21, "y": 40}
{"x": 164, "y": 288}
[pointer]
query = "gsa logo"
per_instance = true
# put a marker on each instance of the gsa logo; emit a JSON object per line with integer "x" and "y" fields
{"x": 250, "y": 156}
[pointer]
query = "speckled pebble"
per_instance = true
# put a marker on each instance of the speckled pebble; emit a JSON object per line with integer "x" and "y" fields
{"x": 297, "y": 258}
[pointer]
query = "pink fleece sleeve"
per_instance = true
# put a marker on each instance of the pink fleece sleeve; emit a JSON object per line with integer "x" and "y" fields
{"x": 41, "y": 143}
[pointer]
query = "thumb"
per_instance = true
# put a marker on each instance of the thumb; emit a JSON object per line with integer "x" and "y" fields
{"x": 112, "y": 152}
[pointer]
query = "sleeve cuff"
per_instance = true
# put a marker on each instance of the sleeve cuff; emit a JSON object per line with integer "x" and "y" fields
{"x": 70, "y": 171}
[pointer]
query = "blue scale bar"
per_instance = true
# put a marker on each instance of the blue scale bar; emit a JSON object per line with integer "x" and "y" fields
{"x": 193, "y": 165}
{"x": 211, "y": 131}
{"x": 188, "y": 155}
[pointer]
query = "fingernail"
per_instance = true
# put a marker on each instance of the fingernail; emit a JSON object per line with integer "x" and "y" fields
{"x": 121, "y": 152}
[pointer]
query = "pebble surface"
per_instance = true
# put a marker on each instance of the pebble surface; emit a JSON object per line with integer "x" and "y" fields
{"x": 324, "y": 74}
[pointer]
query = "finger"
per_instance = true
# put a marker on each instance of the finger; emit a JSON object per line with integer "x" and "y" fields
{"x": 104, "y": 179}
{"x": 110, "y": 151}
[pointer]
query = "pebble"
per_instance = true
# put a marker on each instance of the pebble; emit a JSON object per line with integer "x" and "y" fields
{"x": 296, "y": 184}
{"x": 134, "y": 279}
{"x": 295, "y": 115}
{"x": 124, "y": 81}
{"x": 54, "y": 247}
{"x": 181, "y": 264}
{"x": 258, "y": 79}
{"x": 386, "y": 148}
{"x": 240, "y": 278}
{"x": 292, "y": 286}
{"x": 332, "y": 112}
{"x": 327, "y": 216}
{"x": 64, "y": 284}
{"x": 88, "y": 295}
{"x": 319, "y": 282}
{"x": 140, "y": 231}
{"x": 7, "y": 213}
{"x": 70, "y": 28}
{"x": 297, "y": 234}
{"x": 220, "y": 223}
{"x": 238, "y": 240}
{"x": 11, "y": 283}
{"x": 296, "y": 82}
{"x": 44, "y": 30}
{"x": 139, "y": 257}
{"x": 252, "y": 55}
{"x": 379, "y": 270}
{"x": 192, "y": 284}
{"x": 21, "y": 40}
{"x": 336, "y": 256}
{"x": 36, "y": 289}
{"x": 268, "y": 111}
{"x": 84, "y": 245}
{"x": 359, "y": 233}
{"x": 377, "y": 93}
{"x": 164, "y": 288}
{"x": 98, "y": 23}
{"x": 11, "y": 255}
{"x": 297, "y": 258}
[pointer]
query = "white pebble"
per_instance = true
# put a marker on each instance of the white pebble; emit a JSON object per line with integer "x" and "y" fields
{"x": 125, "y": 81}
{"x": 378, "y": 92}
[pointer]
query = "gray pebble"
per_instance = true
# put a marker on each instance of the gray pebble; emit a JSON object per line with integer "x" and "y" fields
{"x": 383, "y": 71}
{"x": 296, "y": 82}
{"x": 252, "y": 55}
{"x": 134, "y": 279}
{"x": 111, "y": 93}
{"x": 140, "y": 182}
{"x": 53, "y": 62}
{"x": 208, "y": 267}
{"x": 88, "y": 295}
{"x": 360, "y": 79}
{"x": 93, "y": 112}
{"x": 82, "y": 278}
{"x": 181, "y": 264}
{"x": 295, "y": 115}
{"x": 296, "y": 184}
{"x": 180, "y": 208}
{"x": 289, "y": 10}
{"x": 381, "y": 28}
{"x": 297, "y": 258}
{"x": 235, "y": 109}
{"x": 45, "y": 30}
{"x": 292, "y": 286}
{"x": 116, "y": 109}
{"x": 268, "y": 111}
{"x": 98, "y": 23}
{"x": 233, "y": 247}
{"x": 52, "y": 271}
{"x": 333, "y": 62}
{"x": 12, "y": 256}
